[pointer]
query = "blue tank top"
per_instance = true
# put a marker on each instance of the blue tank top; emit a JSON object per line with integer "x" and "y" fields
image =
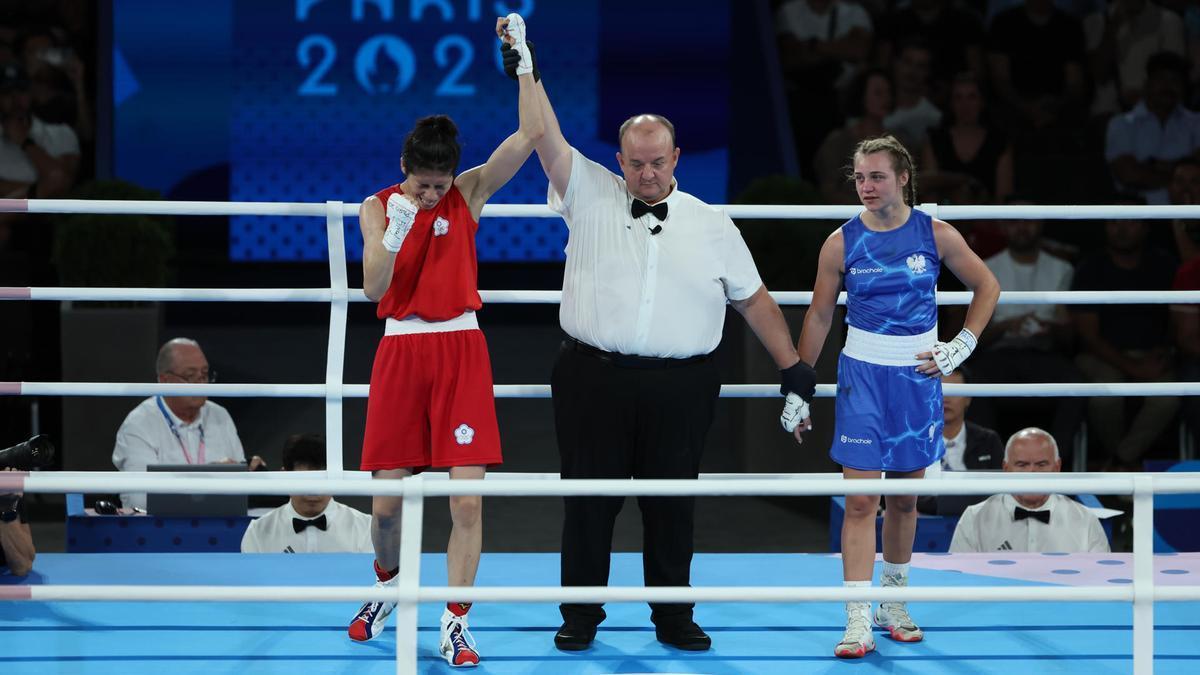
{"x": 891, "y": 276}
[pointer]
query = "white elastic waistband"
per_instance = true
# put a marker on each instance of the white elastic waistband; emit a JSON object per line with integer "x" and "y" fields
{"x": 887, "y": 350}
{"x": 411, "y": 324}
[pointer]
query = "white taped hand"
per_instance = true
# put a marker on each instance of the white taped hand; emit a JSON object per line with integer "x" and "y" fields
{"x": 795, "y": 411}
{"x": 401, "y": 213}
{"x": 516, "y": 30}
{"x": 949, "y": 355}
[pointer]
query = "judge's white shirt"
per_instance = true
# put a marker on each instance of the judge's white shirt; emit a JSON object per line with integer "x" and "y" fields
{"x": 347, "y": 530}
{"x": 991, "y": 525}
{"x": 148, "y": 436}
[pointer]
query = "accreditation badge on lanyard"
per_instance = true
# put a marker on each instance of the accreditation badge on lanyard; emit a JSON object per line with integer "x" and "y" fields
{"x": 175, "y": 430}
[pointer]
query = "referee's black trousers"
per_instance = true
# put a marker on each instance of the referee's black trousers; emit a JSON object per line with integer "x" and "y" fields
{"x": 617, "y": 421}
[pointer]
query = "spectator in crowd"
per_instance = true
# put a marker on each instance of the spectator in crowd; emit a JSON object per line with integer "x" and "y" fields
{"x": 1185, "y": 325}
{"x": 868, "y": 102}
{"x": 1029, "y": 343}
{"x": 177, "y": 429}
{"x": 953, "y": 34}
{"x": 16, "y": 539}
{"x": 822, "y": 45}
{"x": 1042, "y": 523}
{"x": 1191, "y": 35}
{"x": 1126, "y": 342}
{"x": 1036, "y": 61}
{"x": 1120, "y": 39}
{"x": 968, "y": 147}
{"x": 1077, "y": 9}
{"x": 56, "y": 74}
{"x": 1184, "y": 189}
{"x": 913, "y": 114}
{"x": 1143, "y": 145}
{"x": 830, "y": 38}
{"x": 37, "y": 158}
{"x": 309, "y": 523}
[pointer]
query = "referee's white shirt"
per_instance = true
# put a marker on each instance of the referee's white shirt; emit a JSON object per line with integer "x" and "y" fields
{"x": 347, "y": 530}
{"x": 991, "y": 526}
{"x": 628, "y": 291}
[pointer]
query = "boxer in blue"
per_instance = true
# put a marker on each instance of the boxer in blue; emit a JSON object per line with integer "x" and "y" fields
{"x": 889, "y": 393}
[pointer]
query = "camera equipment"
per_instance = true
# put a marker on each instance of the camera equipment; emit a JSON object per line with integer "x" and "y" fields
{"x": 35, "y": 453}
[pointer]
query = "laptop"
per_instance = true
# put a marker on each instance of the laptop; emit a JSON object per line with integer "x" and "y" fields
{"x": 212, "y": 506}
{"x": 947, "y": 505}
{"x": 954, "y": 505}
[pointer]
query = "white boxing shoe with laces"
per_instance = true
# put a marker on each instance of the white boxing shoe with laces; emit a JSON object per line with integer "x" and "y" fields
{"x": 858, "y": 640}
{"x": 372, "y": 617}
{"x": 893, "y": 617}
{"x": 457, "y": 645}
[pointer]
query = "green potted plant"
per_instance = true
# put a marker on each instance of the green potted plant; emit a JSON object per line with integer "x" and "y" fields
{"x": 113, "y": 250}
{"x": 107, "y": 341}
{"x": 785, "y": 251}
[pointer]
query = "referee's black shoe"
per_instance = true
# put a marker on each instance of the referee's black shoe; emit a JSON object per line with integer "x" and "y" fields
{"x": 686, "y": 636}
{"x": 573, "y": 638}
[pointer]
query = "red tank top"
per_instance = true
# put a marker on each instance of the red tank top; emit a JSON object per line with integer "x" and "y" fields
{"x": 436, "y": 276}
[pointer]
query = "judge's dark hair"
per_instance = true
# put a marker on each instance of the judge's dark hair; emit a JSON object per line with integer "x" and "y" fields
{"x": 432, "y": 146}
{"x": 901, "y": 161}
{"x": 307, "y": 450}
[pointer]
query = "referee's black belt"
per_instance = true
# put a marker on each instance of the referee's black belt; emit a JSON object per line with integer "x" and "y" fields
{"x": 629, "y": 361}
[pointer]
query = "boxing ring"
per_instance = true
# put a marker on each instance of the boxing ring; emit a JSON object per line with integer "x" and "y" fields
{"x": 231, "y": 613}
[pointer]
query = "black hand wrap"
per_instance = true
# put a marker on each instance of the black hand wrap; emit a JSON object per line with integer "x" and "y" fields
{"x": 799, "y": 379}
{"x": 512, "y": 58}
{"x": 8, "y": 502}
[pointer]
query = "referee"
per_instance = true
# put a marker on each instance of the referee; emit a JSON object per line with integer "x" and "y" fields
{"x": 649, "y": 271}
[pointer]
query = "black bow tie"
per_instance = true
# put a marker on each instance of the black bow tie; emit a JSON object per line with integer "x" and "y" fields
{"x": 319, "y": 522}
{"x": 640, "y": 208}
{"x": 1022, "y": 514}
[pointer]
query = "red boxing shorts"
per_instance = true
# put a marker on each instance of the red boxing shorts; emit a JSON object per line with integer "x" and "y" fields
{"x": 431, "y": 402}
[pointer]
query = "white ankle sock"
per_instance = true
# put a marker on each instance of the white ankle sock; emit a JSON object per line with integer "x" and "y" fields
{"x": 894, "y": 570}
{"x": 863, "y": 608}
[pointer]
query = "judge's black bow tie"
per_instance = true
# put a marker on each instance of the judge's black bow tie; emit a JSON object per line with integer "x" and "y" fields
{"x": 1022, "y": 514}
{"x": 640, "y": 208}
{"x": 299, "y": 524}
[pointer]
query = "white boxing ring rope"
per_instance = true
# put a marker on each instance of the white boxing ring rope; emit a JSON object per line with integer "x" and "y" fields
{"x": 335, "y": 480}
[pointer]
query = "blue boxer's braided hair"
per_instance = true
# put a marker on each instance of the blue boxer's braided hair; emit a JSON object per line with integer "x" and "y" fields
{"x": 901, "y": 161}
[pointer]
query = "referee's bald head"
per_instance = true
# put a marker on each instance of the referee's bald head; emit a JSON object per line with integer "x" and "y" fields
{"x": 645, "y": 123}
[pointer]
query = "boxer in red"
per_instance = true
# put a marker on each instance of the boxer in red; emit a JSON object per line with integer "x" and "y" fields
{"x": 431, "y": 401}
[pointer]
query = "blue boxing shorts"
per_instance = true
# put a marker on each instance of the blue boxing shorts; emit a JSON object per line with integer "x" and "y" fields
{"x": 889, "y": 416}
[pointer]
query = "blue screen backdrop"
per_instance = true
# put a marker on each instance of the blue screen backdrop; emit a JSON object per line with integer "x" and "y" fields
{"x": 309, "y": 101}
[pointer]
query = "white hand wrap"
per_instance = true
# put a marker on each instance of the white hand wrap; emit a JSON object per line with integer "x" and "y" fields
{"x": 950, "y": 355}
{"x": 400, "y": 216}
{"x": 795, "y": 411}
{"x": 516, "y": 30}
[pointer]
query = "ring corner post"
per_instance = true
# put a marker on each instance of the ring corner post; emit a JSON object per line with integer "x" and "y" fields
{"x": 1143, "y": 575}
{"x": 336, "y": 352}
{"x": 411, "y": 517}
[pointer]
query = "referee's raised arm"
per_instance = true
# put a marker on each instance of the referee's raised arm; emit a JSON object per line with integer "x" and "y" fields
{"x": 553, "y": 151}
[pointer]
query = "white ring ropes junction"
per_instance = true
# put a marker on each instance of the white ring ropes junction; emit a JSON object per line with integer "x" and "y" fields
{"x": 335, "y": 480}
